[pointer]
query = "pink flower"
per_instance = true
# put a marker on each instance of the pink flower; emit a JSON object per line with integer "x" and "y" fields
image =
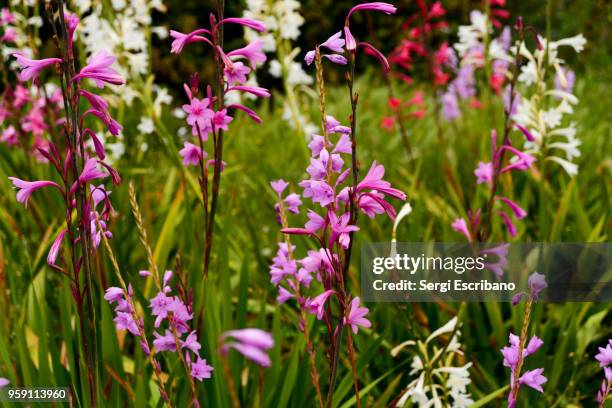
{"x": 180, "y": 39}
{"x": 386, "y": 8}
{"x": 99, "y": 70}
{"x": 340, "y": 229}
{"x": 31, "y": 68}
{"x": 247, "y": 22}
{"x": 252, "y": 52}
{"x": 125, "y": 321}
{"x": 253, "y": 90}
{"x": 536, "y": 283}
{"x": 26, "y": 188}
{"x": 113, "y": 294}
{"x": 251, "y": 343}
{"x": 461, "y": 227}
{"x": 165, "y": 342}
{"x": 200, "y": 369}
{"x": 236, "y": 72}
{"x": 508, "y": 222}
{"x": 334, "y": 43}
{"x": 351, "y": 44}
{"x": 373, "y": 181}
{"x": 534, "y": 379}
{"x": 3, "y": 382}
{"x": 279, "y": 186}
{"x": 516, "y": 209}
{"x": 111, "y": 124}
{"x": 317, "y": 305}
{"x": 605, "y": 355}
{"x": 55, "y": 247}
{"x": 356, "y": 316}
{"x": 9, "y": 136}
{"x": 191, "y": 154}
{"x": 198, "y": 115}
{"x": 221, "y": 119}
{"x": 91, "y": 171}
{"x": 484, "y": 173}
{"x": 371, "y": 50}
{"x": 191, "y": 342}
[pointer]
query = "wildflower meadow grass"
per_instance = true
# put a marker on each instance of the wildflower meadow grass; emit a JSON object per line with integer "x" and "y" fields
{"x": 186, "y": 189}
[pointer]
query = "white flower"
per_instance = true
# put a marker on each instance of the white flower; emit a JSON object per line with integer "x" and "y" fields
{"x": 570, "y": 168}
{"x": 577, "y": 42}
{"x": 146, "y": 126}
{"x": 529, "y": 73}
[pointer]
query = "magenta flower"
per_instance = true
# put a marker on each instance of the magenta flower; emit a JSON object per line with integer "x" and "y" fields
{"x": 252, "y": 52}
{"x": 192, "y": 154}
{"x": 26, "y": 188}
{"x": 533, "y": 379}
{"x": 236, "y": 72}
{"x": 605, "y": 355}
{"x": 99, "y": 70}
{"x": 351, "y": 44}
{"x": 191, "y": 342}
{"x": 125, "y": 321}
{"x": 253, "y": 90}
{"x": 380, "y": 6}
{"x": 335, "y": 43}
{"x": 484, "y": 173}
{"x": 516, "y": 209}
{"x": 31, "y": 68}
{"x": 199, "y": 115}
{"x": 356, "y": 316}
{"x": 247, "y": 22}
{"x": 91, "y": 171}
{"x": 340, "y": 229}
{"x": 200, "y": 370}
{"x": 221, "y": 120}
{"x": 167, "y": 342}
{"x": 251, "y": 343}
{"x": 180, "y": 39}
{"x": 55, "y": 248}
{"x": 317, "y": 305}
{"x": 536, "y": 283}
{"x": 461, "y": 227}
{"x": 279, "y": 186}
{"x": 373, "y": 181}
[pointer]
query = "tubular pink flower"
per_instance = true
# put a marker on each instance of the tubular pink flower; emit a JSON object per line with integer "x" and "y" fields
{"x": 251, "y": 343}
{"x": 509, "y": 224}
{"x": 253, "y": 90}
{"x": 525, "y": 132}
{"x": 356, "y": 316}
{"x": 373, "y": 181}
{"x": 54, "y": 251}
{"x": 351, "y": 44}
{"x": 31, "y": 68}
{"x": 26, "y": 188}
{"x": 99, "y": 70}
{"x": 309, "y": 57}
{"x": 91, "y": 171}
{"x": 252, "y": 52}
{"x": 96, "y": 102}
{"x": 180, "y": 39}
{"x": 519, "y": 213}
{"x": 370, "y": 49}
{"x": 340, "y": 229}
{"x": 317, "y": 305}
{"x": 247, "y": 22}
{"x": 461, "y": 227}
{"x": 111, "y": 124}
{"x": 252, "y": 114}
{"x": 3, "y": 382}
{"x": 336, "y": 58}
{"x": 380, "y": 6}
{"x": 334, "y": 43}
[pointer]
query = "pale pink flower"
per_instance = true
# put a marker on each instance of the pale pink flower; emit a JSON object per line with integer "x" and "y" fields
{"x": 356, "y": 316}
{"x": 31, "y": 68}
{"x": 99, "y": 70}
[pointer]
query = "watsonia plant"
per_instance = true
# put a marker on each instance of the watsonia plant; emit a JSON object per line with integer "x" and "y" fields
{"x": 340, "y": 197}
{"x": 87, "y": 206}
{"x": 210, "y": 115}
